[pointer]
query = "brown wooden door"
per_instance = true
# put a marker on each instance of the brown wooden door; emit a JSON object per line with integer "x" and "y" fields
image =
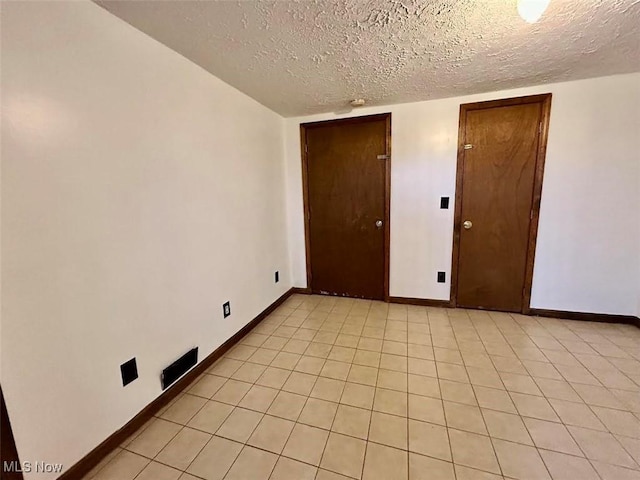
{"x": 346, "y": 195}
{"x": 499, "y": 169}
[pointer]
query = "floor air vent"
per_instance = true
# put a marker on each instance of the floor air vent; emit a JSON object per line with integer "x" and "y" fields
{"x": 179, "y": 367}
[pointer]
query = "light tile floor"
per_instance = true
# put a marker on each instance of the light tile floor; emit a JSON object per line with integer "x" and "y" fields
{"x": 330, "y": 388}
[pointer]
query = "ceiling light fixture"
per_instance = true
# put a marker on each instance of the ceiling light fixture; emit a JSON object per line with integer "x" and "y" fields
{"x": 532, "y": 10}
{"x": 358, "y": 102}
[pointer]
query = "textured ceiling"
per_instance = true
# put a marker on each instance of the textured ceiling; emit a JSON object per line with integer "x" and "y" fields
{"x": 306, "y": 57}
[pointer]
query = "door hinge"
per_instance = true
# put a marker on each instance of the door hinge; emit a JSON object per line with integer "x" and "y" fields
{"x": 383, "y": 157}
{"x": 468, "y": 146}
{"x": 540, "y": 128}
{"x": 306, "y": 148}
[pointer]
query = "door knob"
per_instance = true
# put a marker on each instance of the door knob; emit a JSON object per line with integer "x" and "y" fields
{"x": 467, "y": 224}
{"x": 378, "y": 223}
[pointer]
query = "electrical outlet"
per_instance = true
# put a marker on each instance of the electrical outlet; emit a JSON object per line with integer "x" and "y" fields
{"x": 226, "y": 309}
{"x": 277, "y": 276}
{"x": 444, "y": 203}
{"x": 441, "y": 277}
{"x": 129, "y": 371}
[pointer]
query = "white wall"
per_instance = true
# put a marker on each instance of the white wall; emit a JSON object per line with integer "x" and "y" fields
{"x": 139, "y": 193}
{"x": 588, "y": 244}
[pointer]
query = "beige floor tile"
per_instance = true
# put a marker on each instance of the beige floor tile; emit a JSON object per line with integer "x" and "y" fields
{"x": 306, "y": 444}
{"x": 300, "y": 383}
{"x": 211, "y": 416}
{"x": 215, "y": 459}
{"x": 336, "y": 370}
{"x": 287, "y": 405}
{"x": 225, "y": 367}
{"x": 371, "y": 344}
{"x": 296, "y": 346}
{"x": 424, "y": 352}
{"x": 506, "y": 426}
{"x": 352, "y": 421}
{"x": 542, "y": 370}
{"x": 464, "y": 417}
{"x": 384, "y": 463}
{"x": 358, "y": 395}
{"x": 207, "y": 385}
{"x": 576, "y": 414}
{"x": 344, "y": 455}
{"x": 327, "y": 475}
{"x": 287, "y": 469}
{"x": 318, "y": 350}
{"x": 390, "y": 401}
{"x": 363, "y": 374}
{"x": 259, "y": 398}
{"x": 342, "y": 354}
{"x": 448, "y": 355}
{"x": 568, "y": 467}
{"x": 396, "y": 363}
{"x": 597, "y": 396}
{"x": 520, "y": 383}
{"x": 367, "y": 358}
{"x": 392, "y": 380}
{"x": 158, "y": 471}
{"x": 395, "y": 335}
{"x": 346, "y": 340}
{"x": 520, "y": 461}
{"x": 429, "y": 439}
{"x": 484, "y": 377}
{"x": 631, "y": 445}
{"x": 373, "y": 332}
{"x": 534, "y": 407}
{"x": 263, "y": 356}
{"x": 274, "y": 343}
{"x": 618, "y": 421}
{"x": 424, "y": 362}
{"x": 558, "y": 389}
{"x": 419, "y": 366}
{"x": 457, "y": 392}
{"x": 612, "y": 472}
{"x": 240, "y": 425}
{"x": 124, "y": 466}
{"x": 552, "y": 436}
{"x": 241, "y": 352}
{"x": 388, "y": 430}
{"x": 394, "y": 348}
{"x": 310, "y": 365}
{"x": 325, "y": 337}
{"x": 154, "y": 438}
{"x": 184, "y": 409}
{"x": 273, "y": 377}
{"x": 425, "y": 468}
{"x": 286, "y": 360}
{"x": 232, "y": 392}
{"x": 473, "y": 450}
{"x": 252, "y": 464}
{"x": 328, "y": 389}
{"x": 254, "y": 339}
{"x": 426, "y": 409}
{"x": 425, "y": 386}
{"x": 494, "y": 399}
{"x": 466, "y": 473}
{"x": 601, "y": 446}
{"x": 271, "y": 434}
{"x": 184, "y": 447}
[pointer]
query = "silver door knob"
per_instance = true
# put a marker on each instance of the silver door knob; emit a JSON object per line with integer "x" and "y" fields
{"x": 467, "y": 224}
{"x": 379, "y": 223}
